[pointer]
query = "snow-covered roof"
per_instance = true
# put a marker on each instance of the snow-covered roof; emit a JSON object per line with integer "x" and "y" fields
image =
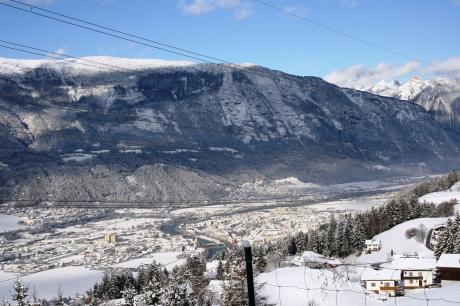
{"x": 407, "y": 263}
{"x": 367, "y": 242}
{"x": 449, "y": 261}
{"x": 380, "y": 275}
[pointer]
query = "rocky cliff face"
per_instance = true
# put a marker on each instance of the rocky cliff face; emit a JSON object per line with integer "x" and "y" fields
{"x": 181, "y": 131}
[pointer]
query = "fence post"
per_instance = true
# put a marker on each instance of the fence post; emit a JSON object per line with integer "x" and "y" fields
{"x": 249, "y": 273}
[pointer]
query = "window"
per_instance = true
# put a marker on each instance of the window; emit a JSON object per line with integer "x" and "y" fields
{"x": 387, "y": 284}
{"x": 410, "y": 273}
{"x": 372, "y": 284}
{"x": 411, "y": 281}
{"x": 419, "y": 273}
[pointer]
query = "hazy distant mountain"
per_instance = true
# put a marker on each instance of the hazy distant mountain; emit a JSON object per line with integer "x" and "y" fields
{"x": 439, "y": 96}
{"x": 173, "y": 131}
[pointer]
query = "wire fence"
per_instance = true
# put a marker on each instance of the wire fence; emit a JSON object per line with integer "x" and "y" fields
{"x": 286, "y": 284}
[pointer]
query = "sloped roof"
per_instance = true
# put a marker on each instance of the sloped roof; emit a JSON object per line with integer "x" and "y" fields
{"x": 449, "y": 261}
{"x": 408, "y": 263}
{"x": 380, "y": 275}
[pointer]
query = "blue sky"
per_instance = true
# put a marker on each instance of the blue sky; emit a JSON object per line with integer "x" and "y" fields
{"x": 246, "y": 31}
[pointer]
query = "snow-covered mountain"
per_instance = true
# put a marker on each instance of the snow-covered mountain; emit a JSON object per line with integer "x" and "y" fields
{"x": 162, "y": 130}
{"x": 439, "y": 96}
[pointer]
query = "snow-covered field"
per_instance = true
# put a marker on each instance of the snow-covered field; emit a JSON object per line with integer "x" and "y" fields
{"x": 167, "y": 259}
{"x": 72, "y": 280}
{"x": 443, "y": 196}
{"x": 363, "y": 203}
{"x": 286, "y": 286}
{"x": 8, "y": 223}
{"x": 395, "y": 239}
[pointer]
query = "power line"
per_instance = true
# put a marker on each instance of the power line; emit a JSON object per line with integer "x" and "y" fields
{"x": 208, "y": 128}
{"x": 213, "y": 129}
{"x": 231, "y": 65}
{"x": 338, "y": 32}
{"x": 49, "y": 56}
{"x": 48, "y": 52}
{"x": 124, "y": 33}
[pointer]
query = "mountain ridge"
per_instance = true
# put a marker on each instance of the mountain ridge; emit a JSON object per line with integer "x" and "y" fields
{"x": 440, "y": 96}
{"x": 232, "y": 125}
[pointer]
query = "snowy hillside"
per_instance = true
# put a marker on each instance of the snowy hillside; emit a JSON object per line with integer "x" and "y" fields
{"x": 395, "y": 239}
{"x": 443, "y": 196}
{"x": 72, "y": 280}
{"x": 340, "y": 287}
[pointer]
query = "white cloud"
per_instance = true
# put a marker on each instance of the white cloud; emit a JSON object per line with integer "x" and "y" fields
{"x": 59, "y": 51}
{"x": 299, "y": 10}
{"x": 362, "y": 76}
{"x": 449, "y": 67}
{"x": 243, "y": 13}
{"x": 39, "y": 2}
{"x": 199, "y": 7}
{"x": 349, "y": 3}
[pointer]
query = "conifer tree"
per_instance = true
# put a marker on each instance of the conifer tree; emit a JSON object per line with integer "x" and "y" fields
{"x": 301, "y": 240}
{"x": 292, "y": 247}
{"x": 129, "y": 294}
{"x": 20, "y": 293}
{"x": 176, "y": 293}
{"x": 59, "y": 300}
{"x": 260, "y": 262}
{"x": 330, "y": 243}
{"x": 358, "y": 236}
{"x": 220, "y": 270}
{"x": 234, "y": 290}
{"x": 152, "y": 291}
{"x": 197, "y": 282}
{"x": 457, "y": 234}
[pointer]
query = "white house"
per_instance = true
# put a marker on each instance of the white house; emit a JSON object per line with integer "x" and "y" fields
{"x": 372, "y": 245}
{"x": 415, "y": 272}
{"x": 384, "y": 281}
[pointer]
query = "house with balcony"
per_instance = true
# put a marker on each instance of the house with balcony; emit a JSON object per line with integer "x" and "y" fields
{"x": 415, "y": 272}
{"x": 383, "y": 281}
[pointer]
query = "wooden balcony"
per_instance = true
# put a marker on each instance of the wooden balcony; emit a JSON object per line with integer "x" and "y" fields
{"x": 389, "y": 288}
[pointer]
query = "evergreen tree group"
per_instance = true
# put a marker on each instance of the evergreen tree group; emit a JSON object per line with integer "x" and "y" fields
{"x": 448, "y": 239}
{"x": 345, "y": 235}
{"x": 184, "y": 286}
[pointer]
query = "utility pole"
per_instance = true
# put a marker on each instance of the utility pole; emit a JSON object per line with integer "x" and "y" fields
{"x": 249, "y": 273}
